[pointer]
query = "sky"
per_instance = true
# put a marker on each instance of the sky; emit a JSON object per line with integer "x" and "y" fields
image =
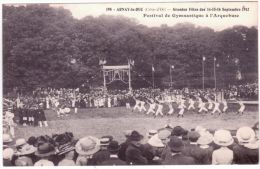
{"x": 247, "y": 17}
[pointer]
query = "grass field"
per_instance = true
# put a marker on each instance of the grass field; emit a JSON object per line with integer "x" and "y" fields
{"x": 114, "y": 121}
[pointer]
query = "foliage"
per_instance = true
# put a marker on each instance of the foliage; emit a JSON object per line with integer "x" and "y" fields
{"x": 47, "y": 47}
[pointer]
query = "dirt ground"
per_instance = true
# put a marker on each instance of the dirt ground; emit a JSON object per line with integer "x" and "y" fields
{"x": 114, "y": 121}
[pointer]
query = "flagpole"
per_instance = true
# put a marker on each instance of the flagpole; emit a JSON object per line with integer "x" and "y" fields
{"x": 153, "y": 75}
{"x": 203, "y": 59}
{"x": 215, "y": 78}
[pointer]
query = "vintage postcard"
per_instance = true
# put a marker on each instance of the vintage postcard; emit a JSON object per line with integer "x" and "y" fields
{"x": 130, "y": 83}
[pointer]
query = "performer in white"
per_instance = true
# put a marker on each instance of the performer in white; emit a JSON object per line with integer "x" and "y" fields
{"x": 202, "y": 106}
{"x": 210, "y": 104}
{"x": 137, "y": 106}
{"x": 216, "y": 108}
{"x": 225, "y": 106}
{"x": 181, "y": 107}
{"x": 191, "y": 106}
{"x": 159, "y": 109}
{"x": 109, "y": 102}
{"x": 47, "y": 102}
{"x": 142, "y": 107}
{"x": 152, "y": 106}
{"x": 171, "y": 109}
{"x": 242, "y": 107}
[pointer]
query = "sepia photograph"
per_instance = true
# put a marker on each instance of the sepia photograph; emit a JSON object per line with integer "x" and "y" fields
{"x": 130, "y": 83}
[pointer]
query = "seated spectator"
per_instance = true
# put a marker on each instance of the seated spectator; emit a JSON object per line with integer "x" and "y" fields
{"x": 244, "y": 154}
{"x": 205, "y": 151}
{"x": 177, "y": 158}
{"x": 113, "y": 159}
{"x": 134, "y": 155}
{"x": 223, "y": 155}
{"x": 86, "y": 147}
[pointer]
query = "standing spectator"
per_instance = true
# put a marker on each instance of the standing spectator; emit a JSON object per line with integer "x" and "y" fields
{"x": 113, "y": 149}
{"x": 192, "y": 148}
{"x": 134, "y": 154}
{"x": 244, "y": 154}
{"x": 44, "y": 152}
{"x": 205, "y": 151}
{"x": 124, "y": 145}
{"x": 177, "y": 158}
{"x": 103, "y": 153}
{"x": 223, "y": 155}
{"x": 86, "y": 147}
{"x": 8, "y": 156}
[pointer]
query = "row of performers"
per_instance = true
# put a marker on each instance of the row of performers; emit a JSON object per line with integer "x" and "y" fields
{"x": 182, "y": 105}
{"x": 33, "y": 116}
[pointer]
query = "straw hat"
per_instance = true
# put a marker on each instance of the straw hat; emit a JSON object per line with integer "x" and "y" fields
{"x": 245, "y": 135}
{"x": 223, "y": 138}
{"x": 7, "y": 138}
{"x": 205, "y": 139}
{"x": 26, "y": 149}
{"x": 155, "y": 141}
{"x": 23, "y": 161}
{"x": 87, "y": 146}
{"x": 164, "y": 134}
{"x": 20, "y": 142}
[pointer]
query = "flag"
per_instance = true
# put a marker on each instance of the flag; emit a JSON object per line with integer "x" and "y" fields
{"x": 153, "y": 69}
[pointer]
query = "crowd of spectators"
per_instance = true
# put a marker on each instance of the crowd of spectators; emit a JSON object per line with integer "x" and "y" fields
{"x": 247, "y": 91}
{"x": 167, "y": 146}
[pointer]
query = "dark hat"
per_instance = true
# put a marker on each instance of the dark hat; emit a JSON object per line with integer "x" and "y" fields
{"x": 32, "y": 140}
{"x": 176, "y": 144}
{"x": 256, "y": 126}
{"x": 177, "y": 131}
{"x": 135, "y": 136}
{"x": 113, "y": 147}
{"x": 193, "y": 136}
{"x": 65, "y": 148}
{"x": 45, "y": 150}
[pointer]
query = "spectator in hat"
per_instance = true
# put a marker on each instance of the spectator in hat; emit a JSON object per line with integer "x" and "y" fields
{"x": 103, "y": 153}
{"x": 153, "y": 150}
{"x": 223, "y": 155}
{"x": 8, "y": 154}
{"x": 27, "y": 151}
{"x": 192, "y": 148}
{"x": 124, "y": 145}
{"x": 178, "y": 131}
{"x": 134, "y": 155}
{"x": 205, "y": 150}
{"x": 113, "y": 159}
{"x": 244, "y": 154}
{"x": 177, "y": 158}
{"x": 7, "y": 140}
{"x": 86, "y": 147}
{"x": 44, "y": 152}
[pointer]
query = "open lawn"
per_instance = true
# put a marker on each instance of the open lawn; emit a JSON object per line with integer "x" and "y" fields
{"x": 114, "y": 121}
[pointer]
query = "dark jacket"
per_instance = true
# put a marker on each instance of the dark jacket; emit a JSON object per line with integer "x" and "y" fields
{"x": 113, "y": 161}
{"x": 179, "y": 159}
{"x": 100, "y": 156}
{"x": 122, "y": 150}
{"x": 192, "y": 151}
{"x": 204, "y": 156}
{"x": 134, "y": 155}
{"x": 244, "y": 155}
